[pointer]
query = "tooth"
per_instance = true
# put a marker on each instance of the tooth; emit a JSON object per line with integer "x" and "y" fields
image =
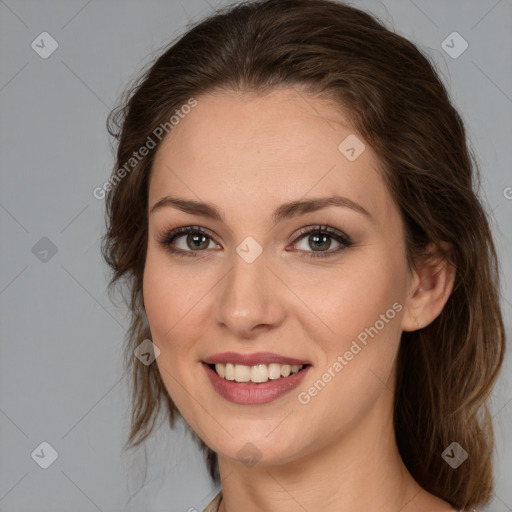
{"x": 242, "y": 373}
{"x": 285, "y": 370}
{"x": 274, "y": 371}
{"x": 219, "y": 368}
{"x": 230, "y": 371}
{"x": 259, "y": 373}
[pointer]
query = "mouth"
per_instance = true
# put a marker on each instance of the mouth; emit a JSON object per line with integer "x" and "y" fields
{"x": 254, "y": 385}
{"x": 256, "y": 374}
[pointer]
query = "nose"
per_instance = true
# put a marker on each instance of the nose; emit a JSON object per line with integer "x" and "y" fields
{"x": 249, "y": 300}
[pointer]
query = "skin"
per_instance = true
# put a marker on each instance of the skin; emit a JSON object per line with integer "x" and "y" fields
{"x": 247, "y": 154}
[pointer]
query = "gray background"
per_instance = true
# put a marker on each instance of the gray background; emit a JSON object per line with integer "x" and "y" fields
{"x": 61, "y": 373}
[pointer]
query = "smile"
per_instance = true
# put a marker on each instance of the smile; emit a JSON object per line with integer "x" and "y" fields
{"x": 249, "y": 392}
{"x": 257, "y": 374}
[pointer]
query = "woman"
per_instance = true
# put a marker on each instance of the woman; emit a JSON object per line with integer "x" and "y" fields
{"x": 295, "y": 215}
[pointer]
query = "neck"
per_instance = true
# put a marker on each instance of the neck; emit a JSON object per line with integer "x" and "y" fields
{"x": 360, "y": 470}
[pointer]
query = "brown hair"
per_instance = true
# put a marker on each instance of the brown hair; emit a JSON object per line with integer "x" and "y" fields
{"x": 396, "y": 101}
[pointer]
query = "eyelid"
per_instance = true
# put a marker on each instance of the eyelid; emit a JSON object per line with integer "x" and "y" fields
{"x": 342, "y": 238}
{"x": 168, "y": 234}
{"x": 335, "y": 233}
{"x": 168, "y": 237}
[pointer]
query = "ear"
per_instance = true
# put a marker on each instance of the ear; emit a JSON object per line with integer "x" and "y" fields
{"x": 431, "y": 286}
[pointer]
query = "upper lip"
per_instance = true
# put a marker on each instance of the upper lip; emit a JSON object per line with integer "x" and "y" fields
{"x": 252, "y": 359}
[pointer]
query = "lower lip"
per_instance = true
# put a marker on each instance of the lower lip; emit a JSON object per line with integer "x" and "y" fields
{"x": 250, "y": 393}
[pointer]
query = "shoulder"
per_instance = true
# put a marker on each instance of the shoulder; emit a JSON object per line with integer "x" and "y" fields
{"x": 213, "y": 506}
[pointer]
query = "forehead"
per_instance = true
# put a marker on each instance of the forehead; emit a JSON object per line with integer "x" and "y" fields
{"x": 252, "y": 151}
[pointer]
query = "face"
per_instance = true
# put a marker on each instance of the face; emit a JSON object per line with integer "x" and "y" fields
{"x": 319, "y": 283}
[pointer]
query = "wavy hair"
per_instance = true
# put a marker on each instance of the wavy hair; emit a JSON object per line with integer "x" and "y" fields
{"x": 397, "y": 102}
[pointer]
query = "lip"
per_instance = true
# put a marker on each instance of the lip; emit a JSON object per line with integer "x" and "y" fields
{"x": 251, "y": 393}
{"x": 252, "y": 359}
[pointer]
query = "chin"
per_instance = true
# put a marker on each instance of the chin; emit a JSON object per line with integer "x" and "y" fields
{"x": 257, "y": 446}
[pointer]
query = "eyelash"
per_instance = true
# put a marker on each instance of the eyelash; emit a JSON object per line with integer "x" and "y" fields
{"x": 345, "y": 241}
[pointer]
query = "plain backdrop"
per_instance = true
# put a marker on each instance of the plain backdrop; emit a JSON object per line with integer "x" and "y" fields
{"x": 61, "y": 377}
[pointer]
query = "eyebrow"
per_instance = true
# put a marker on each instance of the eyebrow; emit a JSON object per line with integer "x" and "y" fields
{"x": 284, "y": 211}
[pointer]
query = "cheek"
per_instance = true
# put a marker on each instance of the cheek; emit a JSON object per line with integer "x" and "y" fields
{"x": 169, "y": 294}
{"x": 168, "y": 302}
{"x": 353, "y": 296}
{"x": 170, "y": 310}
{"x": 362, "y": 306}
{"x": 159, "y": 300}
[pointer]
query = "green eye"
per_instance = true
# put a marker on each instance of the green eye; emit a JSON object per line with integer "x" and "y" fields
{"x": 197, "y": 240}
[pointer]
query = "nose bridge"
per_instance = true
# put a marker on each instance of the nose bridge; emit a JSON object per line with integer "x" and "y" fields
{"x": 248, "y": 297}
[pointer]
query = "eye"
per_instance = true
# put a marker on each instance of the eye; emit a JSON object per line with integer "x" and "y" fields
{"x": 320, "y": 238}
{"x": 187, "y": 240}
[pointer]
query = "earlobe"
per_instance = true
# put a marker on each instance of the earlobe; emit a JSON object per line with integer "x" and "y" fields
{"x": 433, "y": 281}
